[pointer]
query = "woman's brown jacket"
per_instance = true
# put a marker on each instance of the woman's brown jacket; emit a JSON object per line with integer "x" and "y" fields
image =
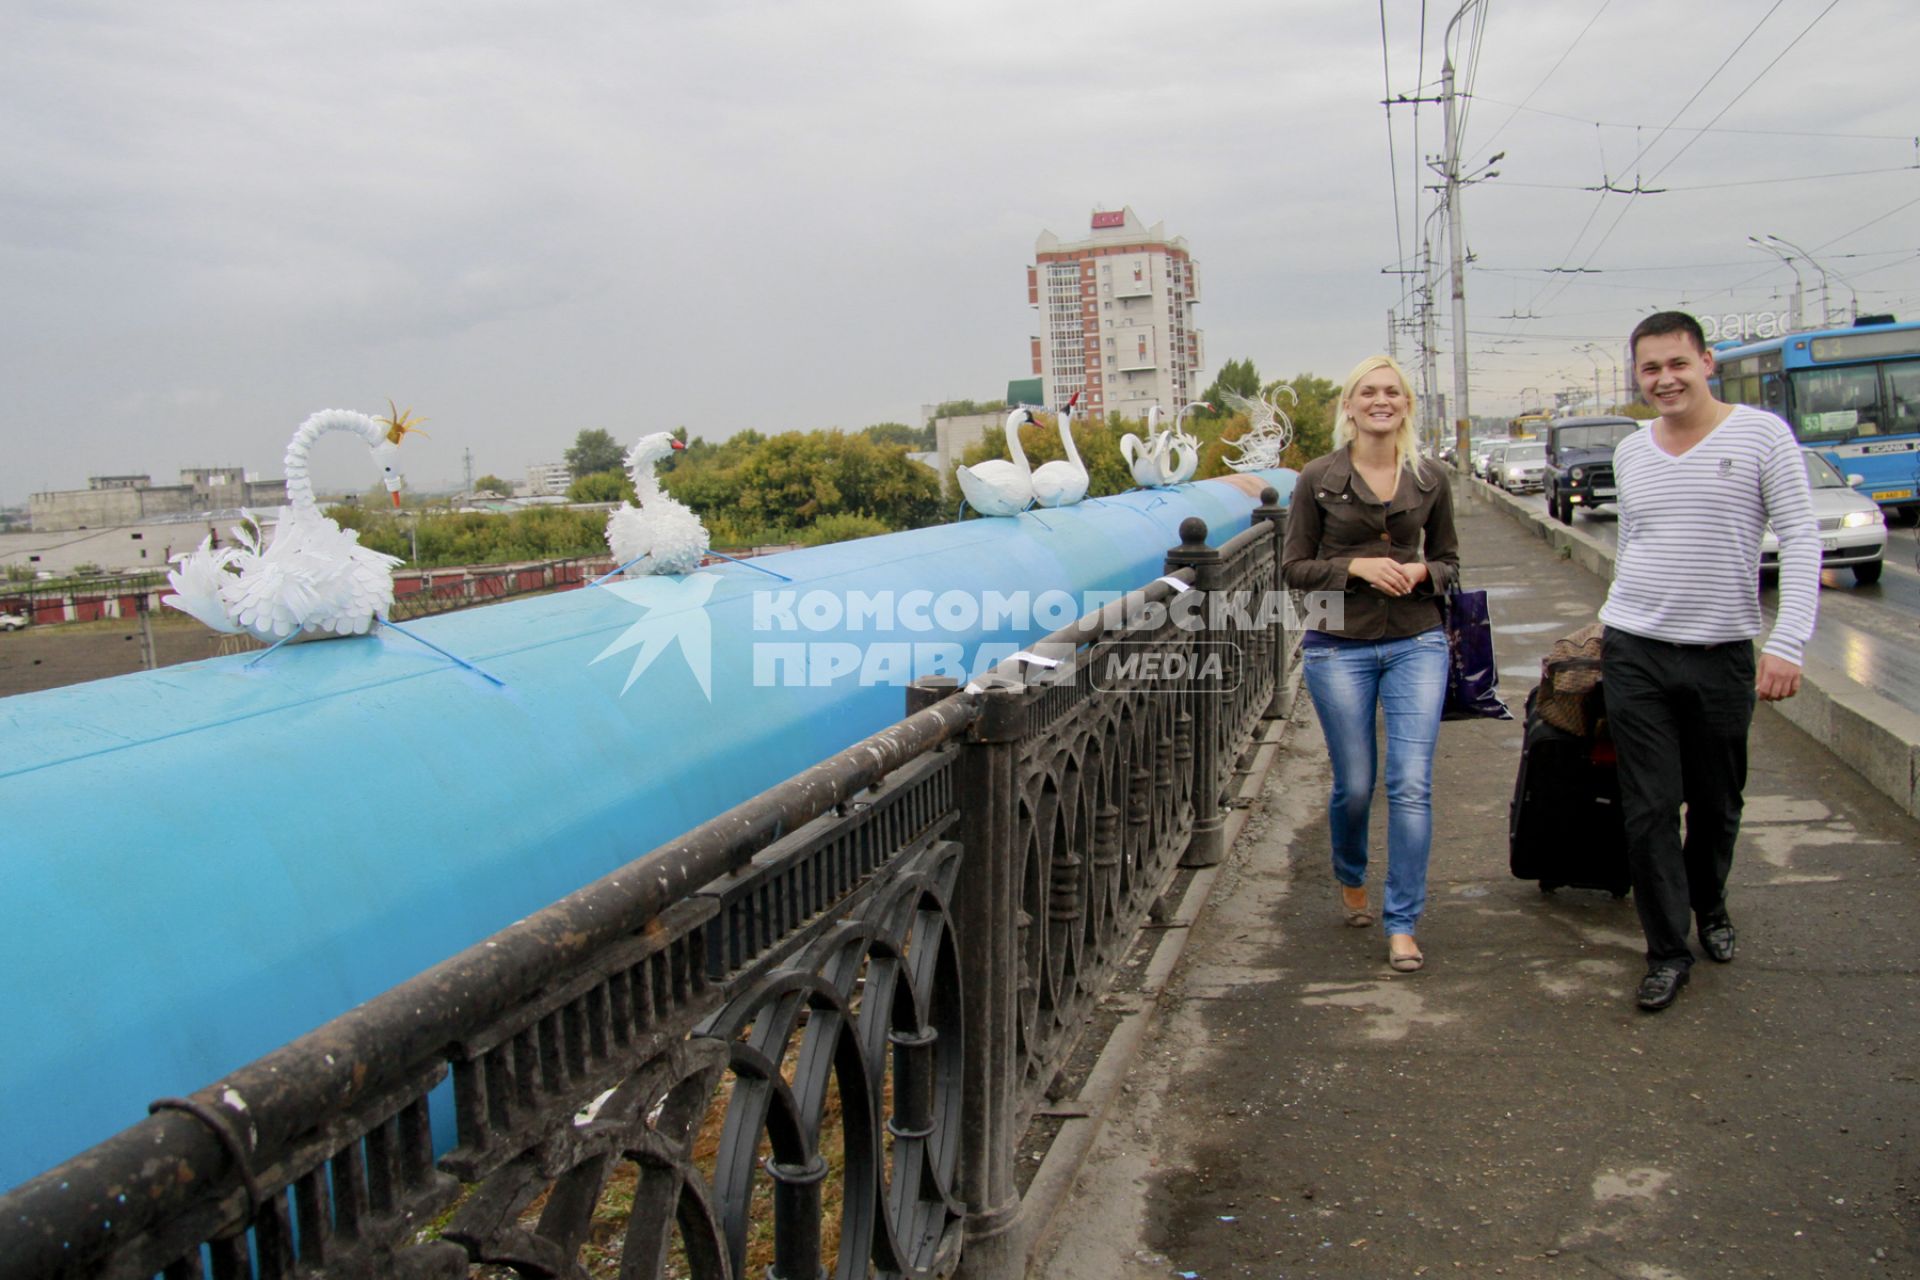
{"x": 1335, "y": 519}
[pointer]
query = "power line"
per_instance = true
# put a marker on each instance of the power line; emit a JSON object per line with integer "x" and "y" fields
{"x": 1393, "y": 164}
{"x": 1564, "y": 55}
{"x": 1756, "y": 80}
{"x": 1601, "y": 199}
{"x": 1708, "y": 186}
{"x": 1869, "y": 222}
{"x": 1618, "y": 218}
{"x": 1765, "y": 133}
{"x": 1809, "y": 177}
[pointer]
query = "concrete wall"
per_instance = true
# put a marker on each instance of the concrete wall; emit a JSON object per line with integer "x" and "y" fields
{"x": 78, "y": 509}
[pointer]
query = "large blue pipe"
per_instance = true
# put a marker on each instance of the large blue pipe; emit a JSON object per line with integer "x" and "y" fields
{"x": 205, "y": 861}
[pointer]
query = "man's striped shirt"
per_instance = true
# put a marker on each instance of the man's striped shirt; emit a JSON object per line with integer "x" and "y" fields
{"x": 1688, "y": 566}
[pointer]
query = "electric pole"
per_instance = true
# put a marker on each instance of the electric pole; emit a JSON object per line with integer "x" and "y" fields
{"x": 1462, "y": 444}
{"x": 467, "y": 457}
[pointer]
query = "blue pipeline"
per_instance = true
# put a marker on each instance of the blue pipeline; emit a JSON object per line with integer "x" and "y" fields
{"x": 206, "y": 861}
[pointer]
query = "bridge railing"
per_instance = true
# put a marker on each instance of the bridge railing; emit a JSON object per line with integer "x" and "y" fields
{"x": 805, "y": 1037}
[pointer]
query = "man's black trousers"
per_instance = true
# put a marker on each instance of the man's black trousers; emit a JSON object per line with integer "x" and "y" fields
{"x": 1679, "y": 716}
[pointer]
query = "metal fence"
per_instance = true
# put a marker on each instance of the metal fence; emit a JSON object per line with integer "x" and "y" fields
{"x": 805, "y": 1038}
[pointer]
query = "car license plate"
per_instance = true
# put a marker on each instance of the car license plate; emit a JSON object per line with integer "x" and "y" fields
{"x": 1603, "y": 495}
{"x": 1828, "y": 544}
{"x": 1889, "y": 495}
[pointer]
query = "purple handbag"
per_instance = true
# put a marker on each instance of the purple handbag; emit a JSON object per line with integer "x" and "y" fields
{"x": 1473, "y": 677}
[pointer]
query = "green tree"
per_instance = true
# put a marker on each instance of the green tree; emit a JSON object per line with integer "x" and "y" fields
{"x": 964, "y": 408}
{"x": 601, "y": 486}
{"x": 915, "y": 438}
{"x": 491, "y": 483}
{"x": 594, "y": 450}
{"x": 1235, "y": 375}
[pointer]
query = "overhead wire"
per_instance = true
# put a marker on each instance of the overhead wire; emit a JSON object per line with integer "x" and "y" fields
{"x": 1547, "y": 299}
{"x": 1551, "y": 72}
{"x": 1686, "y": 128}
{"x": 1393, "y": 162}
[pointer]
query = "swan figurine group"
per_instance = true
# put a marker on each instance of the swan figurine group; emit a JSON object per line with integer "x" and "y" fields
{"x": 998, "y": 487}
{"x": 1165, "y": 457}
{"x": 310, "y": 576}
{"x": 661, "y": 533}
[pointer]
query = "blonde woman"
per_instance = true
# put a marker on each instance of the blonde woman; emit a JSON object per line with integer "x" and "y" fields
{"x": 1372, "y": 525}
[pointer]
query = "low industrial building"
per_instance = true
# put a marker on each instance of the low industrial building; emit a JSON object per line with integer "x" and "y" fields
{"x": 115, "y": 501}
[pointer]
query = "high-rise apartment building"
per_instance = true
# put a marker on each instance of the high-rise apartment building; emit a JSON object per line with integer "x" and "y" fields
{"x": 1116, "y": 317}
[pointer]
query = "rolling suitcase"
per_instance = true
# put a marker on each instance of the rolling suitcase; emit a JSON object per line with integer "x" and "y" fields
{"x": 1564, "y": 826}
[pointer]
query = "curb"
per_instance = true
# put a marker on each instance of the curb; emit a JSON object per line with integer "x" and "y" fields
{"x": 1874, "y": 736}
{"x": 1052, "y": 1183}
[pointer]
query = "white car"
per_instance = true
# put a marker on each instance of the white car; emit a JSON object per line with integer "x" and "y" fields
{"x": 12, "y": 622}
{"x": 1522, "y": 466}
{"x": 1853, "y": 529}
{"x": 1481, "y": 449}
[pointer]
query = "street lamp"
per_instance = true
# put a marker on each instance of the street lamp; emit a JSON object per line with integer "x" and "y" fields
{"x": 1826, "y": 316}
{"x": 1794, "y": 319}
{"x": 1594, "y": 348}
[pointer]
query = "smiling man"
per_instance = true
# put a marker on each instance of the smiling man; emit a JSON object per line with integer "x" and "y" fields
{"x": 1697, "y": 490}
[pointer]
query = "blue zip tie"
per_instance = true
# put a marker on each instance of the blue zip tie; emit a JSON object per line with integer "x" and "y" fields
{"x": 749, "y": 564}
{"x": 261, "y": 657}
{"x": 611, "y": 573}
{"x": 451, "y": 657}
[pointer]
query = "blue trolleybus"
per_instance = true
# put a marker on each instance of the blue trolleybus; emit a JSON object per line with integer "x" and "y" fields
{"x": 1852, "y": 394}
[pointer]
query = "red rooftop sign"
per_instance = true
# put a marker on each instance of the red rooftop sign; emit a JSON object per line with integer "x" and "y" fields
{"x": 1104, "y": 220}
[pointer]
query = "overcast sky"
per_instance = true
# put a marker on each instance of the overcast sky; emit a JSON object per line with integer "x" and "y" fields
{"x": 523, "y": 219}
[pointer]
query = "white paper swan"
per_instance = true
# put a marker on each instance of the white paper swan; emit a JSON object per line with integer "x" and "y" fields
{"x": 311, "y": 575}
{"x": 663, "y": 530}
{"x": 1269, "y": 430}
{"x": 1061, "y": 484}
{"x": 998, "y": 487}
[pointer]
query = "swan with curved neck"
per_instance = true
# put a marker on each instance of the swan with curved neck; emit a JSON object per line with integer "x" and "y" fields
{"x": 1061, "y": 484}
{"x": 998, "y": 487}
{"x": 658, "y": 532}
{"x": 1146, "y": 459}
{"x": 311, "y": 576}
{"x": 1183, "y": 451}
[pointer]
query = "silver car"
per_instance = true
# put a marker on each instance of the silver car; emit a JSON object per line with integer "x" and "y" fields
{"x": 1482, "y": 451}
{"x": 1522, "y": 467}
{"x": 1853, "y": 529}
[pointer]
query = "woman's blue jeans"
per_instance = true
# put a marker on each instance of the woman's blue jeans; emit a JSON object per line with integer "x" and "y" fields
{"x": 1408, "y": 679}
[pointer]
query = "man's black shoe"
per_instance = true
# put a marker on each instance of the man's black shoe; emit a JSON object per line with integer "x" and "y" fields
{"x": 1717, "y": 940}
{"x": 1660, "y": 986}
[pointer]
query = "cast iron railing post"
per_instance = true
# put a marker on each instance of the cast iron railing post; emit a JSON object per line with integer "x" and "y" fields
{"x": 1274, "y": 514}
{"x": 984, "y": 913}
{"x": 1208, "y": 843}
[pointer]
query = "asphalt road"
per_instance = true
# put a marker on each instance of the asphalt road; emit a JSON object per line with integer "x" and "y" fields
{"x": 1869, "y": 633}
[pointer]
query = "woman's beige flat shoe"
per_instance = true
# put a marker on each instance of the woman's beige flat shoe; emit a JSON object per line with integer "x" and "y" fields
{"x": 1403, "y": 953}
{"x": 1353, "y": 900}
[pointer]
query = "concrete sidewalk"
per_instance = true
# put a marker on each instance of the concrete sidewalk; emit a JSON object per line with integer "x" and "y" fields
{"x": 1301, "y": 1110}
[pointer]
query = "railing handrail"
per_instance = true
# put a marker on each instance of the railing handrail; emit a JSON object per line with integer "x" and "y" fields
{"x": 219, "y": 1167}
{"x": 271, "y": 1102}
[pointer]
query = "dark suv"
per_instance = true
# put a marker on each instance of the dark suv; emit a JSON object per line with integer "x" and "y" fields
{"x": 1580, "y": 462}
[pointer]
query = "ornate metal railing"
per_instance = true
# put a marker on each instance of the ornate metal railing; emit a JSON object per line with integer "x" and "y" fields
{"x": 805, "y": 1037}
